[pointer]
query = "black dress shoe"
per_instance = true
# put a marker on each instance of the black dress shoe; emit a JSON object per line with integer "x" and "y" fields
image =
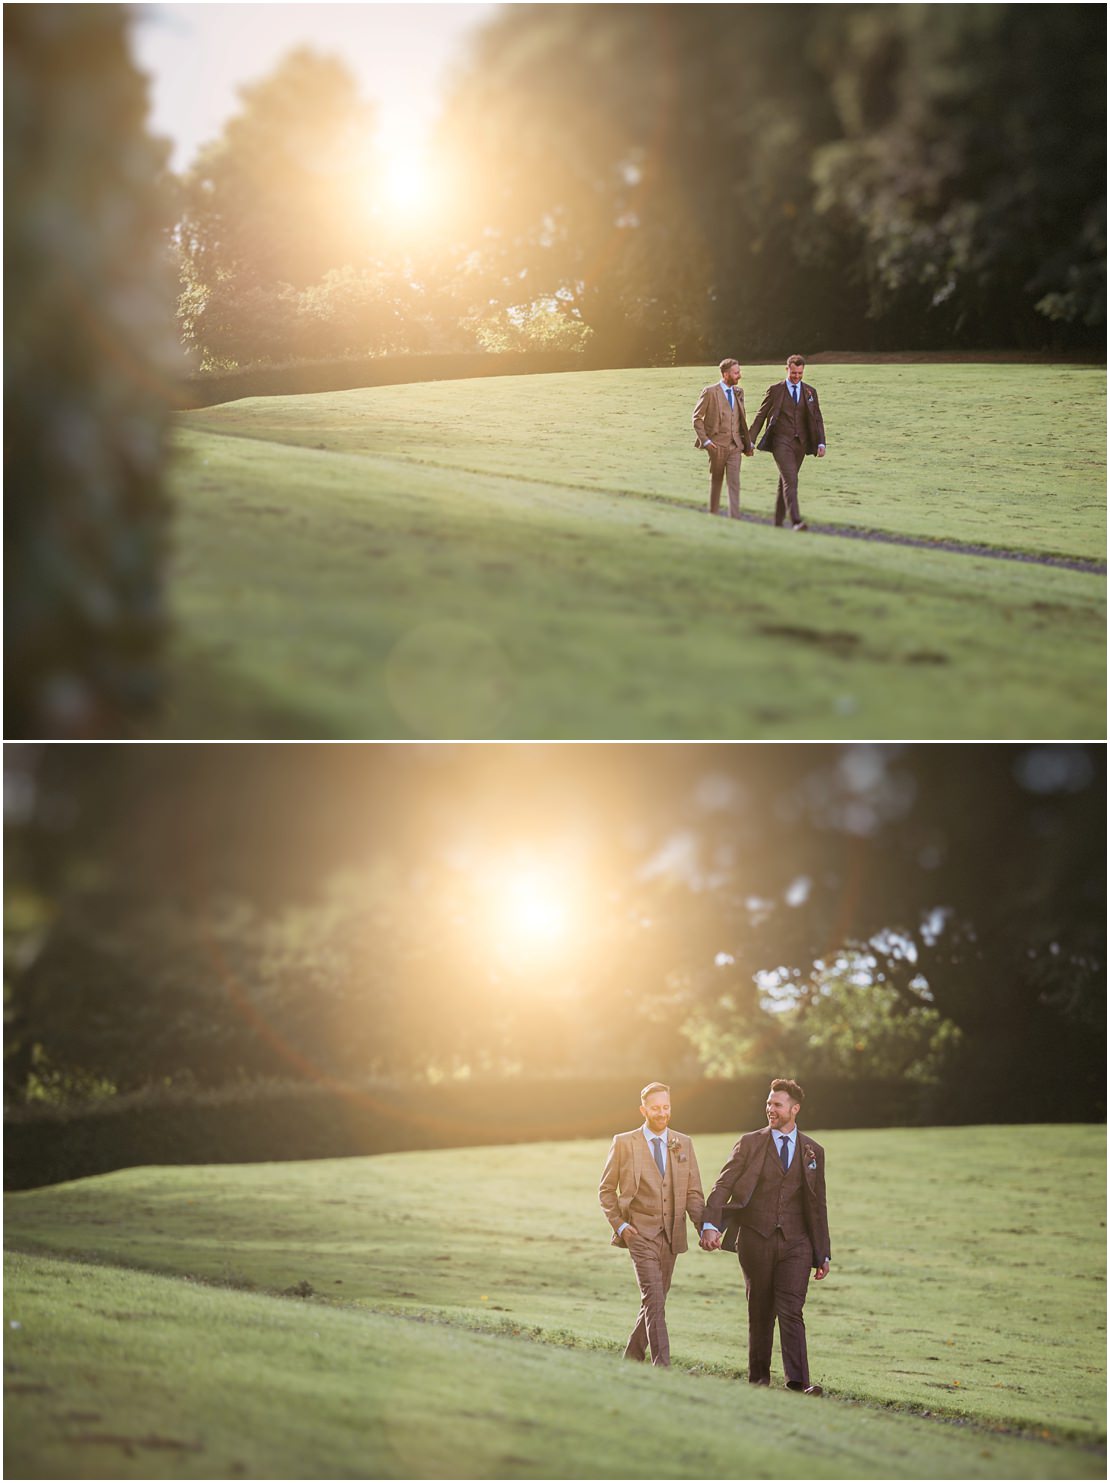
{"x": 804, "y": 1389}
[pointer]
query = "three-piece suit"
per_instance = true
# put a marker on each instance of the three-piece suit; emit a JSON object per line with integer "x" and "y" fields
{"x": 778, "y": 1223}
{"x": 632, "y": 1189}
{"x": 793, "y": 430}
{"x": 727, "y": 428}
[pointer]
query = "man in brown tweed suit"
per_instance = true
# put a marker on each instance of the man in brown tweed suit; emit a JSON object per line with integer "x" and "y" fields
{"x": 721, "y": 428}
{"x": 770, "y": 1203}
{"x": 795, "y": 427}
{"x": 650, "y": 1185}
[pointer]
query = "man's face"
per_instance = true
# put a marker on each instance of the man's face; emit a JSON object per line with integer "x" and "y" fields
{"x": 781, "y": 1112}
{"x": 732, "y": 376}
{"x": 657, "y": 1111}
{"x": 794, "y": 374}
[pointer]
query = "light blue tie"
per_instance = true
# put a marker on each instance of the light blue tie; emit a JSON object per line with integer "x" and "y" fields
{"x": 728, "y": 393}
{"x": 657, "y": 1149}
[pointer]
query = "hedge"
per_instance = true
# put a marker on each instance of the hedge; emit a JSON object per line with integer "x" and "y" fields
{"x": 301, "y": 378}
{"x": 242, "y": 1125}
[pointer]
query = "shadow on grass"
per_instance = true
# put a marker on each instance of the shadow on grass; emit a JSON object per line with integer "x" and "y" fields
{"x": 208, "y": 701}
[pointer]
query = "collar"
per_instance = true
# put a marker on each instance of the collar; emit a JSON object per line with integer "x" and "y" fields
{"x": 727, "y": 389}
{"x": 778, "y": 1133}
{"x": 649, "y": 1135}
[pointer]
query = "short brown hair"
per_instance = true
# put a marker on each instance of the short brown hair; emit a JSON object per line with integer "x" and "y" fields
{"x": 731, "y": 361}
{"x": 653, "y": 1086}
{"x": 791, "y": 1088}
{"x": 795, "y": 360}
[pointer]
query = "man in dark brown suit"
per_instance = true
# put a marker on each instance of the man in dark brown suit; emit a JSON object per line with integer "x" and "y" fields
{"x": 770, "y": 1203}
{"x": 649, "y": 1186}
{"x": 795, "y": 427}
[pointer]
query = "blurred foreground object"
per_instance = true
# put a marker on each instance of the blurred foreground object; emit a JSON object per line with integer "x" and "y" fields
{"x": 89, "y": 360}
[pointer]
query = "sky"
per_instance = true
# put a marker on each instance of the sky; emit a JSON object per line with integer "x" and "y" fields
{"x": 197, "y": 56}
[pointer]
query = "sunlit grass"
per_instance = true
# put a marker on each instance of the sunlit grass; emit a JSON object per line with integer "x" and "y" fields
{"x": 519, "y": 557}
{"x": 968, "y": 1264}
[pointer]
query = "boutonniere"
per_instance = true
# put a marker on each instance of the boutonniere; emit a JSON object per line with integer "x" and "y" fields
{"x": 674, "y": 1147}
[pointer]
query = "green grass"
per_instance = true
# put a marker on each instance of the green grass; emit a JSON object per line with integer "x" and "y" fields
{"x": 518, "y": 557}
{"x": 469, "y": 1315}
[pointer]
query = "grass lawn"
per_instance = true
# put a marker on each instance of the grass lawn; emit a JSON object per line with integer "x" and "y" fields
{"x": 468, "y": 1313}
{"x": 520, "y": 557}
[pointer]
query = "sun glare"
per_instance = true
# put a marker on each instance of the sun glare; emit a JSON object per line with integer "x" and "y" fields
{"x": 532, "y": 914}
{"x": 406, "y": 184}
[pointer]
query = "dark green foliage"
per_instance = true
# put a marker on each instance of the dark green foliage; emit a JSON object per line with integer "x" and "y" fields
{"x": 310, "y": 377}
{"x": 207, "y": 916}
{"x": 89, "y": 369}
{"x": 791, "y": 178}
{"x": 271, "y": 1122}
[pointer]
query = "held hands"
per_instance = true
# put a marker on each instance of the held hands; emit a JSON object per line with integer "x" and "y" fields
{"x": 710, "y": 1240}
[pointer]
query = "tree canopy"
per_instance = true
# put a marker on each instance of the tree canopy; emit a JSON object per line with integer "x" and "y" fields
{"x": 210, "y": 914}
{"x": 656, "y": 181}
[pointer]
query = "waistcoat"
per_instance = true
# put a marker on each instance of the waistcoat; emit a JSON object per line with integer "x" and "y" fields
{"x": 790, "y": 423}
{"x": 777, "y": 1201}
{"x": 652, "y": 1207}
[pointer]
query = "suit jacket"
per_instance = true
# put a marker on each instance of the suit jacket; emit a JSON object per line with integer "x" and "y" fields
{"x": 714, "y": 418}
{"x": 631, "y": 1179}
{"x": 737, "y": 1181}
{"x": 771, "y": 406}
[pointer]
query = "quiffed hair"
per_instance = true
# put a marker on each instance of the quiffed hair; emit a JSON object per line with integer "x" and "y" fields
{"x": 795, "y": 360}
{"x": 791, "y": 1088}
{"x": 729, "y": 361}
{"x": 653, "y": 1086}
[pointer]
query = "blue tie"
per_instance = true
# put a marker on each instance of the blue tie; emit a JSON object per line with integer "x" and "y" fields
{"x": 794, "y": 393}
{"x": 784, "y": 1154}
{"x": 728, "y": 393}
{"x": 657, "y": 1149}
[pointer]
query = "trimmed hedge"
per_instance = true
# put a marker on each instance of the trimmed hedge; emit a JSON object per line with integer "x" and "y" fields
{"x": 307, "y": 377}
{"x": 313, "y": 1122}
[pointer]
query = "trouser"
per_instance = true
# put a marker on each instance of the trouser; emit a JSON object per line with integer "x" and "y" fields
{"x": 776, "y": 1279}
{"x": 722, "y": 462}
{"x": 653, "y": 1261}
{"x": 788, "y": 457}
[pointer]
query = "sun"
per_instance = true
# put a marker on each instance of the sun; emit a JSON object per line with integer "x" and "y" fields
{"x": 406, "y": 186}
{"x": 531, "y": 914}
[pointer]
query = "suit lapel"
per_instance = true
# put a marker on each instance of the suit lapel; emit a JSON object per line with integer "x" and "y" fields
{"x": 646, "y": 1167}
{"x": 808, "y": 1155}
{"x": 679, "y": 1171}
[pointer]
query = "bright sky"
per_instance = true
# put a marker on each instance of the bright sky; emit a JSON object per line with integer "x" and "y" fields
{"x": 196, "y": 56}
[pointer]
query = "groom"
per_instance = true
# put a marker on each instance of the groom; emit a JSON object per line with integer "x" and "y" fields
{"x": 770, "y": 1202}
{"x": 795, "y": 427}
{"x": 721, "y": 428}
{"x": 650, "y": 1185}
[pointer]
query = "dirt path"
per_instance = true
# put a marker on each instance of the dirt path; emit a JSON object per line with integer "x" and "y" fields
{"x": 995, "y": 553}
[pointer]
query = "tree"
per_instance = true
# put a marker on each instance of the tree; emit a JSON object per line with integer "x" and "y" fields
{"x": 972, "y": 166}
{"x": 850, "y": 175}
{"x": 89, "y": 364}
{"x": 277, "y": 229}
